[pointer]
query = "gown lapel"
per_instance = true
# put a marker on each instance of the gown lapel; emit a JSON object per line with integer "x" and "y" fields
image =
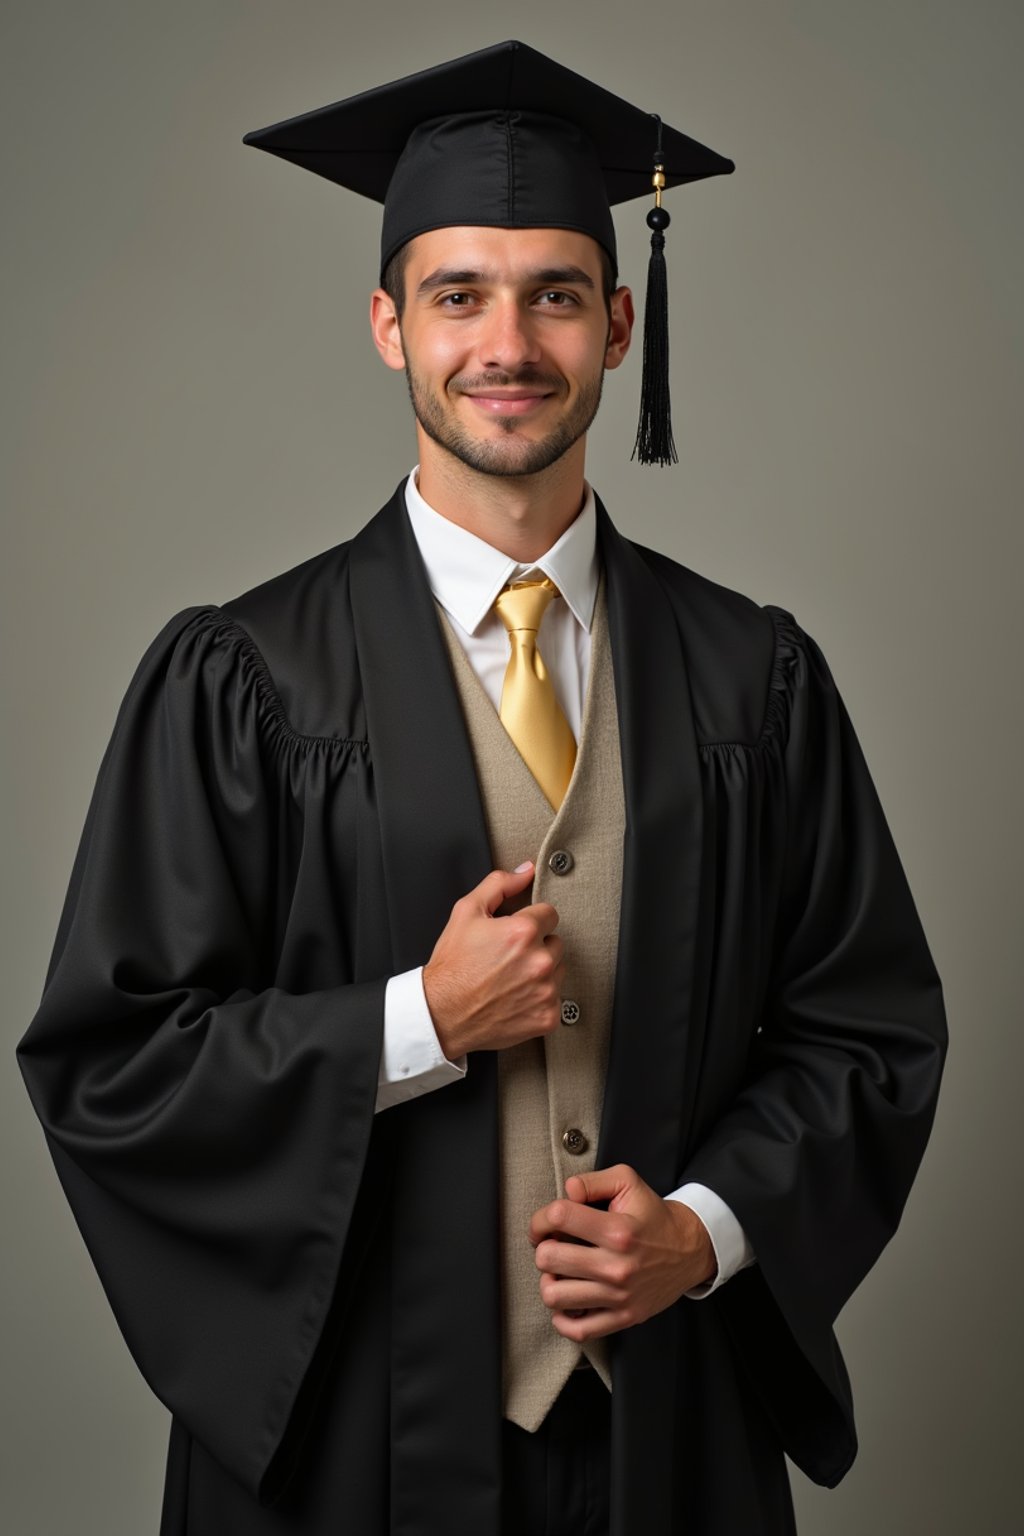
{"x": 657, "y": 1016}
{"x": 445, "y": 1354}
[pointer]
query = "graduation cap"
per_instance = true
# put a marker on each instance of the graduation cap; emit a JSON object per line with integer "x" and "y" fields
{"x": 509, "y": 138}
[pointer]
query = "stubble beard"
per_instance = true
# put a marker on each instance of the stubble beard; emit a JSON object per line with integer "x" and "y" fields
{"x": 512, "y": 454}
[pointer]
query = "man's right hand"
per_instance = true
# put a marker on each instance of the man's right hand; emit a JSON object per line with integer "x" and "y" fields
{"x": 493, "y": 982}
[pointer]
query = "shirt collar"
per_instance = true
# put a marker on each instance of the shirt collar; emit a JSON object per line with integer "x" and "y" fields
{"x": 466, "y": 574}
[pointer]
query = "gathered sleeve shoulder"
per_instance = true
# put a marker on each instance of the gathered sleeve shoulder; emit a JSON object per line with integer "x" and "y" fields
{"x": 817, "y": 1151}
{"x": 209, "y": 1110}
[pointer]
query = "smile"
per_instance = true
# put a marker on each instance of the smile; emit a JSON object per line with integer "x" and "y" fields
{"x": 517, "y": 404}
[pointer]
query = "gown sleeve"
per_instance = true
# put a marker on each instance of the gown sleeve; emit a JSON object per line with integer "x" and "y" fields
{"x": 817, "y": 1153}
{"x": 210, "y": 1128}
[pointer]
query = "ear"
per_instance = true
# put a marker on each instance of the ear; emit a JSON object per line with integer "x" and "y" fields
{"x": 620, "y": 327}
{"x": 386, "y": 331}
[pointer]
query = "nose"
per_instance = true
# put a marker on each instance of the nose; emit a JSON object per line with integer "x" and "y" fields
{"x": 508, "y": 341}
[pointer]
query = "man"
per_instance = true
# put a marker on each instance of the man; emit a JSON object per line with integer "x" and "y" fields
{"x": 489, "y": 1035}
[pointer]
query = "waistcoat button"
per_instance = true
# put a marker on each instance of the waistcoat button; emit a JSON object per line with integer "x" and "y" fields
{"x": 570, "y": 1011}
{"x": 561, "y": 861}
{"x": 574, "y": 1141}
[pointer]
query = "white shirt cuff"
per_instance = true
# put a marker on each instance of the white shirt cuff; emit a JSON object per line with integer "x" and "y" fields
{"x": 412, "y": 1061}
{"x": 732, "y": 1250}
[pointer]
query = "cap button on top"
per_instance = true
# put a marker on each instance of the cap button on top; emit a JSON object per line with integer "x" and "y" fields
{"x": 561, "y": 861}
{"x": 574, "y": 1141}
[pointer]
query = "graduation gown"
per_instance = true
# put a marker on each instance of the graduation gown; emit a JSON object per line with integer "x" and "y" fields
{"x": 285, "y": 815}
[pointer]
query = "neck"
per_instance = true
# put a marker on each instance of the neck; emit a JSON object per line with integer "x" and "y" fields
{"x": 522, "y": 515}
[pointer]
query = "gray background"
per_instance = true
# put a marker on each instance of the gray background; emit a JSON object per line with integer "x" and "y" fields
{"x": 191, "y": 403}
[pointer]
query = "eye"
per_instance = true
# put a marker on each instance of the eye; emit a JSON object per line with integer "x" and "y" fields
{"x": 456, "y": 300}
{"x": 555, "y": 298}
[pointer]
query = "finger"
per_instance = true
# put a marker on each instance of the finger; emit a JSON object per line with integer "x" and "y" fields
{"x": 555, "y": 948}
{"x": 592, "y": 1325}
{"x": 578, "y": 1261}
{"x": 499, "y": 885}
{"x": 579, "y": 1295}
{"x": 544, "y": 915}
{"x": 570, "y": 1219}
{"x": 602, "y": 1184}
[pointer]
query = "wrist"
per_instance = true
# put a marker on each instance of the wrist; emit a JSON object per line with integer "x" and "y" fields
{"x": 446, "y": 1032}
{"x": 697, "y": 1252}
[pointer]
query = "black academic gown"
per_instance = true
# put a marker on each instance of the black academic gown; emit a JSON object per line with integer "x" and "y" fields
{"x": 283, "y": 819}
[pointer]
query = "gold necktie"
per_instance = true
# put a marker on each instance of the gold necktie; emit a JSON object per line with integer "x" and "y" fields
{"x": 530, "y": 712}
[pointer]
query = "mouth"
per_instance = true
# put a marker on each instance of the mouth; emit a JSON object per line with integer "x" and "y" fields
{"x": 514, "y": 402}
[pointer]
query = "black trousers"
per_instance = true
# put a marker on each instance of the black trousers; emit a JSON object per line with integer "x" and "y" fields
{"x": 555, "y": 1482}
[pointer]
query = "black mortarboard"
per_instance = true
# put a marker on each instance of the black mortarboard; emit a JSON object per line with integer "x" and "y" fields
{"x": 510, "y": 138}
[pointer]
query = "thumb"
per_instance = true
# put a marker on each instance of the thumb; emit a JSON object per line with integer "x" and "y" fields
{"x": 601, "y": 1185}
{"x": 500, "y": 884}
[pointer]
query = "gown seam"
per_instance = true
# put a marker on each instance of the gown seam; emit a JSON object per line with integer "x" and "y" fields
{"x": 780, "y": 683}
{"x": 220, "y": 626}
{"x": 787, "y": 647}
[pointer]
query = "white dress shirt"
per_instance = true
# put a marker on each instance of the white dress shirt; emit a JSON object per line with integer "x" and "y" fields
{"x": 465, "y": 575}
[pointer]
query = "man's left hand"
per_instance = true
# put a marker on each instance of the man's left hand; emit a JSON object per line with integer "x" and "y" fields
{"x": 602, "y": 1271}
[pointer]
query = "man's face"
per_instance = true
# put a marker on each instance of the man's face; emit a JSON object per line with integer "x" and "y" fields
{"x": 504, "y": 338}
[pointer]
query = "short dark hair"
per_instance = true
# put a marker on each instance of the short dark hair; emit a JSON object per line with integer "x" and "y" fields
{"x": 393, "y": 279}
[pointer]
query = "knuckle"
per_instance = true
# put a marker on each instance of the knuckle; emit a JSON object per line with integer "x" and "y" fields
{"x": 557, "y": 1212}
{"x": 620, "y": 1273}
{"x": 518, "y": 932}
{"x": 620, "y": 1237}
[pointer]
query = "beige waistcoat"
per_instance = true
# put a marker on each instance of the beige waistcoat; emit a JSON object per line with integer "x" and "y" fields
{"x": 555, "y": 1085}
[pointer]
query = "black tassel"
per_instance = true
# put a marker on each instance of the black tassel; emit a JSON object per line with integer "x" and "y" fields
{"x": 654, "y": 443}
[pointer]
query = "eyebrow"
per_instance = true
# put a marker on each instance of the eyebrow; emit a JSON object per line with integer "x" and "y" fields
{"x": 456, "y": 277}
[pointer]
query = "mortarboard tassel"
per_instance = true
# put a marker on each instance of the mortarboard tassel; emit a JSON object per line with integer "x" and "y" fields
{"x": 654, "y": 444}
